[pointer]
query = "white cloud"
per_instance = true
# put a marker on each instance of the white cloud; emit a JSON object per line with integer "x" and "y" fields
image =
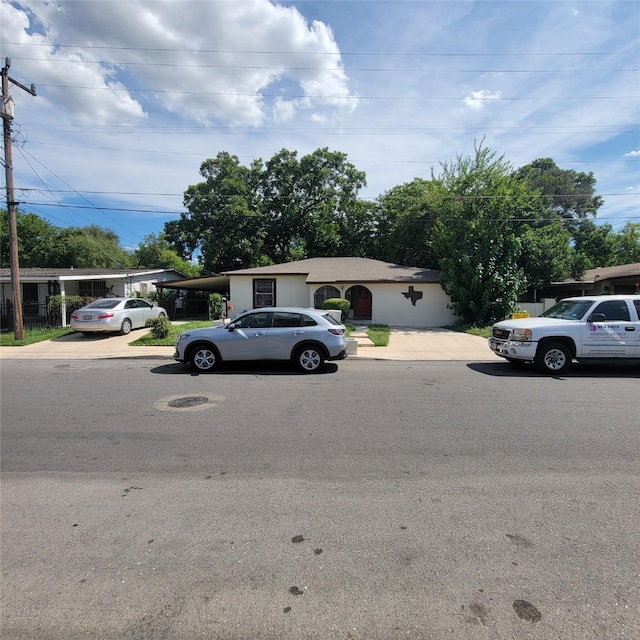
{"x": 633, "y": 154}
{"x": 190, "y": 58}
{"x": 479, "y": 99}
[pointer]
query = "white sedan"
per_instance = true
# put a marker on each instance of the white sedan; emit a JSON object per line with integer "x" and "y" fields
{"x": 114, "y": 314}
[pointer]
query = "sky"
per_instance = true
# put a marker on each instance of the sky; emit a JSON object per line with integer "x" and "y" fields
{"x": 132, "y": 96}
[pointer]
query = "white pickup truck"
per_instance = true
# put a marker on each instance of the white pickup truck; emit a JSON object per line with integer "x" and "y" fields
{"x": 587, "y": 329}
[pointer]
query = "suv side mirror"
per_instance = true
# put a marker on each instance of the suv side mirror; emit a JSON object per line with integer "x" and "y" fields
{"x": 230, "y": 327}
{"x": 597, "y": 317}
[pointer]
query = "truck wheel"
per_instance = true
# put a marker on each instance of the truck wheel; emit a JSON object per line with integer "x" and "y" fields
{"x": 553, "y": 357}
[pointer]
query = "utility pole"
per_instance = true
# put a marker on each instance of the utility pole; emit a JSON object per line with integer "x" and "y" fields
{"x": 7, "y": 117}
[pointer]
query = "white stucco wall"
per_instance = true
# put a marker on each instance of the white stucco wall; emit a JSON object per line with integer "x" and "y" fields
{"x": 391, "y": 307}
{"x": 291, "y": 291}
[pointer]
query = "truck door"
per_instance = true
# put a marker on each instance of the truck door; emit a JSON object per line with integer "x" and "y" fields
{"x": 611, "y": 331}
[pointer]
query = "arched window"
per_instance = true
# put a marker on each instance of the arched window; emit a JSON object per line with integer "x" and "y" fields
{"x": 324, "y": 293}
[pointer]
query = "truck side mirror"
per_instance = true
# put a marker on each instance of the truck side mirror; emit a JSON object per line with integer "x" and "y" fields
{"x": 597, "y": 317}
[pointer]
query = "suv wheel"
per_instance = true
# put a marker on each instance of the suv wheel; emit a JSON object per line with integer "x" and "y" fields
{"x": 309, "y": 359}
{"x": 204, "y": 358}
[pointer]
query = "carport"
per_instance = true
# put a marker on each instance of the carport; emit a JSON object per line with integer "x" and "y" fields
{"x": 188, "y": 298}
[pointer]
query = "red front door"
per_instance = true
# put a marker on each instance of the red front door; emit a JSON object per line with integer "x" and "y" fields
{"x": 361, "y": 301}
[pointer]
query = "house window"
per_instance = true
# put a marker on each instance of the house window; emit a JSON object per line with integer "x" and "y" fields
{"x": 264, "y": 292}
{"x": 92, "y": 288}
{"x": 324, "y": 293}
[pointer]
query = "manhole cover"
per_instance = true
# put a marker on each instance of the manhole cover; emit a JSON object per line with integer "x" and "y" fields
{"x": 190, "y": 401}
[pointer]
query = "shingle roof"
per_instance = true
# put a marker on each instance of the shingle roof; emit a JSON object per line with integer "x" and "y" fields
{"x": 607, "y": 273}
{"x": 321, "y": 270}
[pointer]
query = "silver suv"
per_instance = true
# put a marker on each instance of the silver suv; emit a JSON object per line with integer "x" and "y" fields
{"x": 306, "y": 337}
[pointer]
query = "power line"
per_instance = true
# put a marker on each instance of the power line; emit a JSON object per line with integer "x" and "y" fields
{"x": 192, "y": 65}
{"x": 113, "y": 89}
{"x": 386, "y": 54}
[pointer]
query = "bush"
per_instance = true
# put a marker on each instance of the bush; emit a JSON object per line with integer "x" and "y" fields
{"x": 159, "y": 326}
{"x": 215, "y": 306}
{"x": 338, "y": 303}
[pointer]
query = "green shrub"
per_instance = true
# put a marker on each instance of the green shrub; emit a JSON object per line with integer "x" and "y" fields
{"x": 159, "y": 326}
{"x": 215, "y": 306}
{"x": 338, "y": 303}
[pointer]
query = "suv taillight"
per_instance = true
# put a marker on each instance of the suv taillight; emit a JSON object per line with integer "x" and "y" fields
{"x": 336, "y": 332}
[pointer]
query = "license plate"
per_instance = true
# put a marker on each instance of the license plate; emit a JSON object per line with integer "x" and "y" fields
{"x": 87, "y": 317}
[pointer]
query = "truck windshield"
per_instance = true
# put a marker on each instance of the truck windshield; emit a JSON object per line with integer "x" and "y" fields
{"x": 568, "y": 309}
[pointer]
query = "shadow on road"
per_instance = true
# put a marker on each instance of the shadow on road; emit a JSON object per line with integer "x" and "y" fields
{"x": 240, "y": 368}
{"x": 578, "y": 370}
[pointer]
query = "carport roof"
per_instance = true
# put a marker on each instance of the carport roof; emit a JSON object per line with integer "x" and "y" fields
{"x": 213, "y": 283}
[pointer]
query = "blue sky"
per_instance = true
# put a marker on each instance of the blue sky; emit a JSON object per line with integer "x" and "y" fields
{"x": 133, "y": 96}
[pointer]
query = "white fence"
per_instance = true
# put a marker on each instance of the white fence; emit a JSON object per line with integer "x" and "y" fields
{"x": 536, "y": 308}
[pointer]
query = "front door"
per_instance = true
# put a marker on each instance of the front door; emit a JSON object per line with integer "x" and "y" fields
{"x": 360, "y": 301}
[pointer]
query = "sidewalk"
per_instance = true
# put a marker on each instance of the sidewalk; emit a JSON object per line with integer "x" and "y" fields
{"x": 404, "y": 344}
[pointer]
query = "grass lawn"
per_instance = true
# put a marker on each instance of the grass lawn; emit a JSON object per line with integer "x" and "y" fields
{"x": 31, "y": 336}
{"x": 379, "y": 334}
{"x": 149, "y": 341}
{"x": 483, "y": 332}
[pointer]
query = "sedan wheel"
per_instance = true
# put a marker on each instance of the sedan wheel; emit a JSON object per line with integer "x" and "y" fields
{"x": 126, "y": 327}
{"x": 309, "y": 359}
{"x": 204, "y": 359}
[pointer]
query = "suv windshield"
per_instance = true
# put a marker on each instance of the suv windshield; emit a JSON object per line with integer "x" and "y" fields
{"x": 568, "y": 309}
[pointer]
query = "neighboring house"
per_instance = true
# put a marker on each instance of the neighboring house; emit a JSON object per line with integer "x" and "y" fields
{"x": 38, "y": 284}
{"x": 623, "y": 279}
{"x": 379, "y": 292}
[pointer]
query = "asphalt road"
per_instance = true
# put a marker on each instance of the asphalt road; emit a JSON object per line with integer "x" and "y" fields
{"x": 377, "y": 500}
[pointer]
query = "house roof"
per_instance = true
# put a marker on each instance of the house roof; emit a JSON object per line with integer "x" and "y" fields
{"x": 322, "y": 270}
{"x": 47, "y": 273}
{"x": 607, "y": 273}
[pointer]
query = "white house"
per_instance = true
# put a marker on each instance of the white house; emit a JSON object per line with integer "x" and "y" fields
{"x": 379, "y": 292}
{"x": 38, "y": 284}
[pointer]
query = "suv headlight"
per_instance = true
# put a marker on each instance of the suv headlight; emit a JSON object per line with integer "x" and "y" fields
{"x": 521, "y": 335}
{"x": 182, "y": 336}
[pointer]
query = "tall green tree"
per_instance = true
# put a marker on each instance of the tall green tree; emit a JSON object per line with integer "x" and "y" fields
{"x": 41, "y": 244}
{"x": 595, "y": 243}
{"x": 546, "y": 252}
{"x": 37, "y": 240}
{"x": 155, "y": 252}
{"x": 406, "y": 217}
{"x": 626, "y": 245}
{"x": 92, "y": 247}
{"x": 479, "y": 249}
{"x": 223, "y": 223}
{"x": 284, "y": 210}
{"x": 567, "y": 193}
